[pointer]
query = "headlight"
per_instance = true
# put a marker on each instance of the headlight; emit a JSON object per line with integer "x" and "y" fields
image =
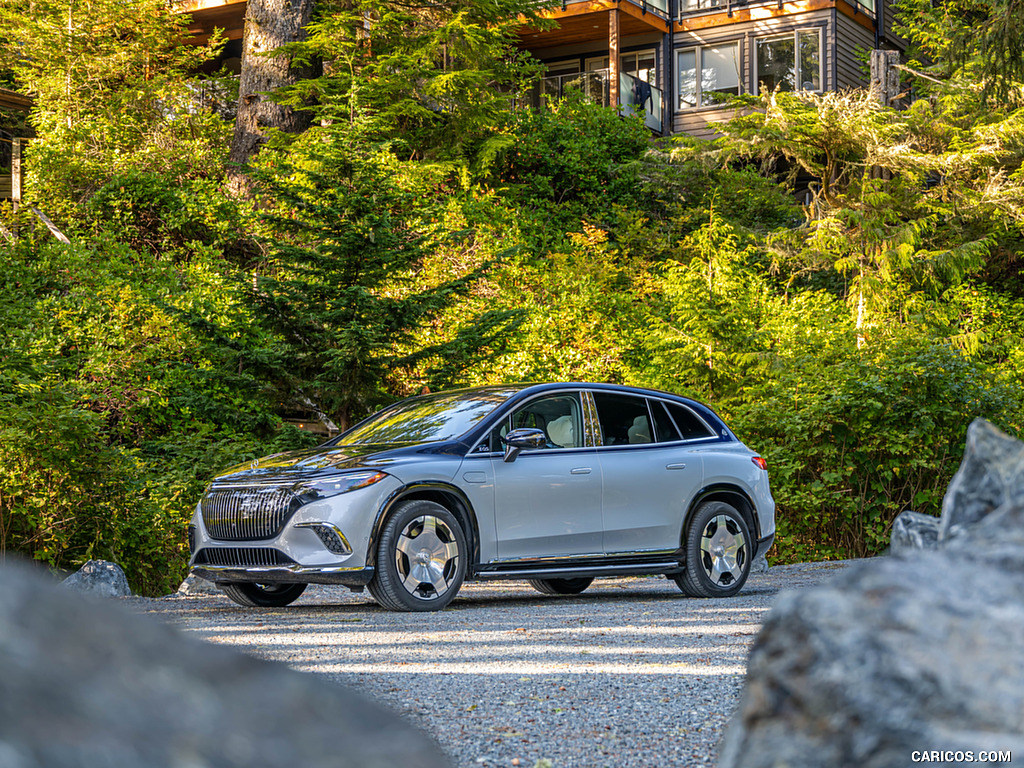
{"x": 325, "y": 489}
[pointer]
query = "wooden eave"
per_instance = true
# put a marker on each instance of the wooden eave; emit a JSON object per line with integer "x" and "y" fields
{"x": 769, "y": 11}
{"x": 588, "y": 22}
{"x": 208, "y": 15}
{"x": 12, "y": 100}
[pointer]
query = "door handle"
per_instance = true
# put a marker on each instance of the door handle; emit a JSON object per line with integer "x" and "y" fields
{"x": 675, "y": 466}
{"x": 579, "y": 471}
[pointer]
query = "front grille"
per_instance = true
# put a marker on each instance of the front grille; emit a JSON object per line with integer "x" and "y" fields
{"x": 237, "y": 557}
{"x": 247, "y": 514}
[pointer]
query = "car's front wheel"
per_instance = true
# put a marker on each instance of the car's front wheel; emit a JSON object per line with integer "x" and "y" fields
{"x": 560, "y": 586}
{"x": 263, "y": 595}
{"x": 718, "y": 552}
{"x": 421, "y": 558}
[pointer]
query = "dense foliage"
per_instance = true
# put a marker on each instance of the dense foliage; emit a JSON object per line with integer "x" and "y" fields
{"x": 425, "y": 234}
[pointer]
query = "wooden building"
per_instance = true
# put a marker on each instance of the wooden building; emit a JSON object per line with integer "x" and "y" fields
{"x": 10, "y": 146}
{"x": 691, "y": 55}
{"x": 678, "y": 60}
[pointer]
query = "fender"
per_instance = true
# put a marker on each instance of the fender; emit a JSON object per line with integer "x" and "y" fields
{"x": 430, "y": 489}
{"x": 725, "y": 492}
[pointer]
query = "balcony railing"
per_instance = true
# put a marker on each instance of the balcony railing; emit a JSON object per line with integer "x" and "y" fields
{"x": 635, "y": 95}
{"x": 687, "y": 7}
{"x": 660, "y": 6}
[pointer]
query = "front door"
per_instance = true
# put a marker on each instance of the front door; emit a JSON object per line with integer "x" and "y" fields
{"x": 547, "y": 503}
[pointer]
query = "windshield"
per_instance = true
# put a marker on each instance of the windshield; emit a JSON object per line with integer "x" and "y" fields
{"x": 427, "y": 419}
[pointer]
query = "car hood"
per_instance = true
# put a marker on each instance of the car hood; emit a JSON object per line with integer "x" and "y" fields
{"x": 328, "y": 460}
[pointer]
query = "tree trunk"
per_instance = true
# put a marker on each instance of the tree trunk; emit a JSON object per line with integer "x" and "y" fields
{"x": 269, "y": 24}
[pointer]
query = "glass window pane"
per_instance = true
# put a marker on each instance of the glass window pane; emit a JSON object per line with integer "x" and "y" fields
{"x": 624, "y": 419}
{"x": 719, "y": 73}
{"x": 663, "y": 425}
{"x": 776, "y": 65}
{"x": 558, "y": 416}
{"x": 687, "y": 79}
{"x": 646, "y": 67}
{"x": 810, "y": 60}
{"x": 691, "y": 426}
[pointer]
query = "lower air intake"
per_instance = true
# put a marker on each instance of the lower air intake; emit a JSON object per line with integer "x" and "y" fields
{"x": 238, "y": 557}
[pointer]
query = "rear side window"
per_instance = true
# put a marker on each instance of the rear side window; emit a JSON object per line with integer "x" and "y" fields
{"x": 691, "y": 427}
{"x": 624, "y": 419}
{"x": 663, "y": 424}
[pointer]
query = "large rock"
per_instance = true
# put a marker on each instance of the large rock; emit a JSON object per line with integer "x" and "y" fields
{"x": 101, "y": 578}
{"x": 85, "y": 683}
{"x": 990, "y": 478}
{"x": 913, "y": 530}
{"x": 921, "y": 651}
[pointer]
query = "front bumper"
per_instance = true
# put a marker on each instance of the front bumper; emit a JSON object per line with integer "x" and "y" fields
{"x": 291, "y": 574}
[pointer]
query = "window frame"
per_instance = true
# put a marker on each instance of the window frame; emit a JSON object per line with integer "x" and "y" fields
{"x": 698, "y": 51}
{"x": 794, "y": 35}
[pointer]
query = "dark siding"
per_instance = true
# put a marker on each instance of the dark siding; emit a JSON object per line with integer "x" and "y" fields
{"x": 700, "y": 122}
{"x": 851, "y": 40}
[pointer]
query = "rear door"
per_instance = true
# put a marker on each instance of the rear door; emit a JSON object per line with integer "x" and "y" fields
{"x": 650, "y": 471}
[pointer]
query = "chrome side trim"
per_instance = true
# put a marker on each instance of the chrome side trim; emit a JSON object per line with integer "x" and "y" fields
{"x": 625, "y": 569}
{"x": 591, "y": 556}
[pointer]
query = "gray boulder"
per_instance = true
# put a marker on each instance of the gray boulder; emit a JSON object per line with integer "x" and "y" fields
{"x": 194, "y": 585}
{"x": 100, "y": 578}
{"x": 923, "y": 650}
{"x": 990, "y": 478}
{"x": 913, "y": 530}
{"x": 85, "y": 683}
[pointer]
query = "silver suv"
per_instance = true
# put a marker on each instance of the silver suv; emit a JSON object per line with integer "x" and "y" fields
{"x": 557, "y": 484}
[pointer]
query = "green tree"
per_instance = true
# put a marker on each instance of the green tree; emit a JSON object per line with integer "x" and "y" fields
{"x": 338, "y": 293}
{"x": 113, "y": 90}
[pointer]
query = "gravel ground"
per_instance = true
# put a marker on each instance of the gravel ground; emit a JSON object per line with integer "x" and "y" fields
{"x": 630, "y": 674}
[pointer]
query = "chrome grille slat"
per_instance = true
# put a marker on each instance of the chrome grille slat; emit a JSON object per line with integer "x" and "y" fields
{"x": 240, "y": 557}
{"x": 246, "y": 514}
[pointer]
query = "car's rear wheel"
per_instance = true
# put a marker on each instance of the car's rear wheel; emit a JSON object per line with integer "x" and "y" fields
{"x": 560, "y": 586}
{"x": 421, "y": 558}
{"x": 718, "y": 552}
{"x": 263, "y": 595}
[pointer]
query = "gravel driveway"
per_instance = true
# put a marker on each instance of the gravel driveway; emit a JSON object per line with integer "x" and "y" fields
{"x": 630, "y": 674}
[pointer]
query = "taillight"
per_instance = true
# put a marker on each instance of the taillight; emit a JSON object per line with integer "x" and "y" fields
{"x": 760, "y": 462}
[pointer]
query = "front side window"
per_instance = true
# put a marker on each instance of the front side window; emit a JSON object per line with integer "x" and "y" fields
{"x": 558, "y": 416}
{"x": 790, "y": 62}
{"x": 708, "y": 75}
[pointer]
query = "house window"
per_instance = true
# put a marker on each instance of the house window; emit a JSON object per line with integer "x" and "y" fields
{"x": 790, "y": 62}
{"x": 640, "y": 64}
{"x": 719, "y": 68}
{"x": 689, "y": 6}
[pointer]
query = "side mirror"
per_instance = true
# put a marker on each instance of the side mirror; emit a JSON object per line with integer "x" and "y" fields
{"x": 518, "y": 439}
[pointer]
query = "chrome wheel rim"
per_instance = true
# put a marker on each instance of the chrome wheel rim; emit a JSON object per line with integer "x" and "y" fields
{"x": 427, "y": 557}
{"x": 723, "y": 550}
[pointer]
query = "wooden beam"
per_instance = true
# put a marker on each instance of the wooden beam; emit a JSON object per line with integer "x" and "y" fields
{"x": 12, "y": 100}
{"x": 613, "y": 57}
{"x": 16, "y": 174}
{"x": 772, "y": 11}
{"x": 191, "y": 6}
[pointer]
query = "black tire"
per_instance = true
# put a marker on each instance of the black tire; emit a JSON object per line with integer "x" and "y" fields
{"x": 561, "y": 586}
{"x": 719, "y": 551}
{"x": 415, "y": 574}
{"x": 263, "y": 595}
